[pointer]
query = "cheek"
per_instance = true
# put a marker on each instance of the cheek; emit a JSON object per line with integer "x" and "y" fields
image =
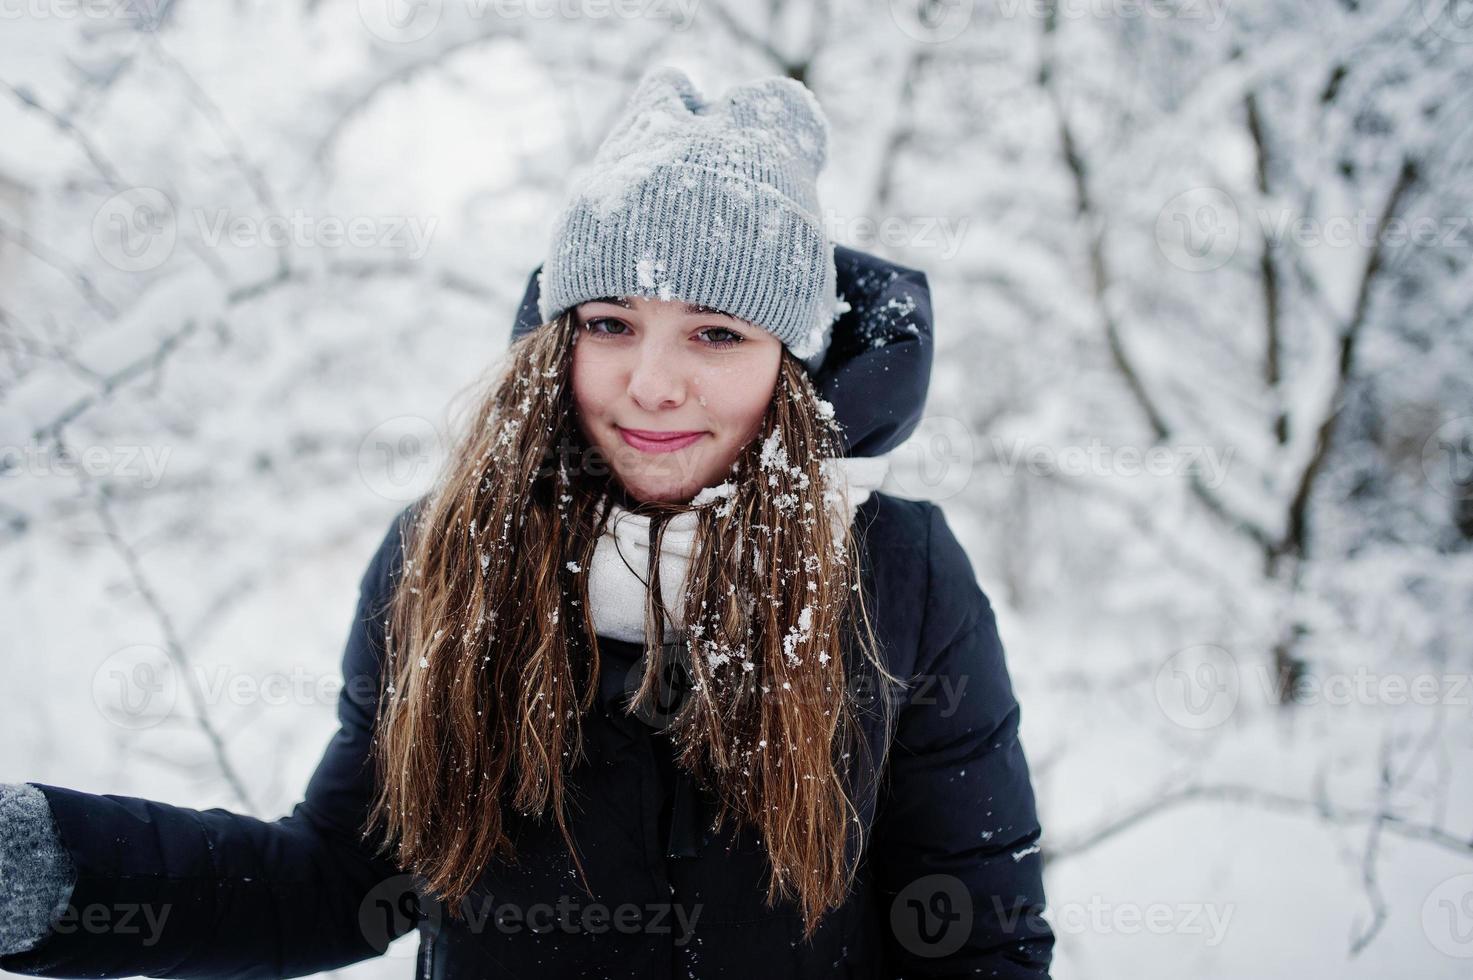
{"x": 590, "y": 396}
{"x": 749, "y": 413}
{"x": 740, "y": 399}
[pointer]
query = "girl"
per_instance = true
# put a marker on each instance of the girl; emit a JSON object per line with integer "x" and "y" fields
{"x": 652, "y": 683}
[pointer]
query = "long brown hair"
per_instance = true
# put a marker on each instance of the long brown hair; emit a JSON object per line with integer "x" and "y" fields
{"x": 492, "y": 661}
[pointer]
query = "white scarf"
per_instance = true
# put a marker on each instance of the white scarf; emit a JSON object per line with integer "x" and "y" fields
{"x": 617, "y": 590}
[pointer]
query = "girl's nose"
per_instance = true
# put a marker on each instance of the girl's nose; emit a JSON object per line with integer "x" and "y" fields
{"x": 656, "y": 381}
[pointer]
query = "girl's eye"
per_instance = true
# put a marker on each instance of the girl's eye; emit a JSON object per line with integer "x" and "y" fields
{"x": 588, "y": 324}
{"x": 734, "y": 338}
{"x": 724, "y": 336}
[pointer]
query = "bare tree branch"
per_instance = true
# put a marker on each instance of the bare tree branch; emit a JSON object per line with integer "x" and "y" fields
{"x": 1243, "y": 795}
{"x": 1296, "y": 530}
{"x": 173, "y": 647}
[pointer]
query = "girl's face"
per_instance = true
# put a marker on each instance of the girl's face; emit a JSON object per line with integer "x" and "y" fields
{"x": 669, "y": 392}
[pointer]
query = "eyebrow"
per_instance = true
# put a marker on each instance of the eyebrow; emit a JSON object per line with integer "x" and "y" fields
{"x": 692, "y": 308}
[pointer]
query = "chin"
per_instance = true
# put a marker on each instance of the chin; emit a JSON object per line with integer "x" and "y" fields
{"x": 664, "y": 494}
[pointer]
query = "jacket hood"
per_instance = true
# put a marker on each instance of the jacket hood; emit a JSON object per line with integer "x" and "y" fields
{"x": 878, "y": 366}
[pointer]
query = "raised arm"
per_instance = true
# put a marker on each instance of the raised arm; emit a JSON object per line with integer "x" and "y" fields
{"x": 166, "y": 891}
{"x": 955, "y": 842}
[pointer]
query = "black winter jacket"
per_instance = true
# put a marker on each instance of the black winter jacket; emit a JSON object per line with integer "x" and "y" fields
{"x": 951, "y": 879}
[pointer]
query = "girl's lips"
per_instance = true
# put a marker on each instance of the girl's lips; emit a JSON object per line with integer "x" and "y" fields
{"x": 657, "y": 442}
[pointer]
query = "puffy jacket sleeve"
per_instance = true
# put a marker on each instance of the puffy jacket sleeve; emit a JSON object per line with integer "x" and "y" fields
{"x": 955, "y": 843}
{"x": 166, "y": 891}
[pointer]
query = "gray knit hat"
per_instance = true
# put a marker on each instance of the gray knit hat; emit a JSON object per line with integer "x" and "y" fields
{"x": 713, "y": 203}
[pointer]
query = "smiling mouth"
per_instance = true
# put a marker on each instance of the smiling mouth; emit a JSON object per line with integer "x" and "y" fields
{"x": 650, "y": 441}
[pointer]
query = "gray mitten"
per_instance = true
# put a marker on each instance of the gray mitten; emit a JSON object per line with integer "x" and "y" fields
{"x": 36, "y": 873}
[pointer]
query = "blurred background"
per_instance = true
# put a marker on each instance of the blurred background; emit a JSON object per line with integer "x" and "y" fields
{"x": 1202, "y": 410}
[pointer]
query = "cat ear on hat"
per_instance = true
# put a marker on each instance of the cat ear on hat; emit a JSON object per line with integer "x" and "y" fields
{"x": 663, "y": 102}
{"x": 665, "y": 88}
{"x": 786, "y": 108}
